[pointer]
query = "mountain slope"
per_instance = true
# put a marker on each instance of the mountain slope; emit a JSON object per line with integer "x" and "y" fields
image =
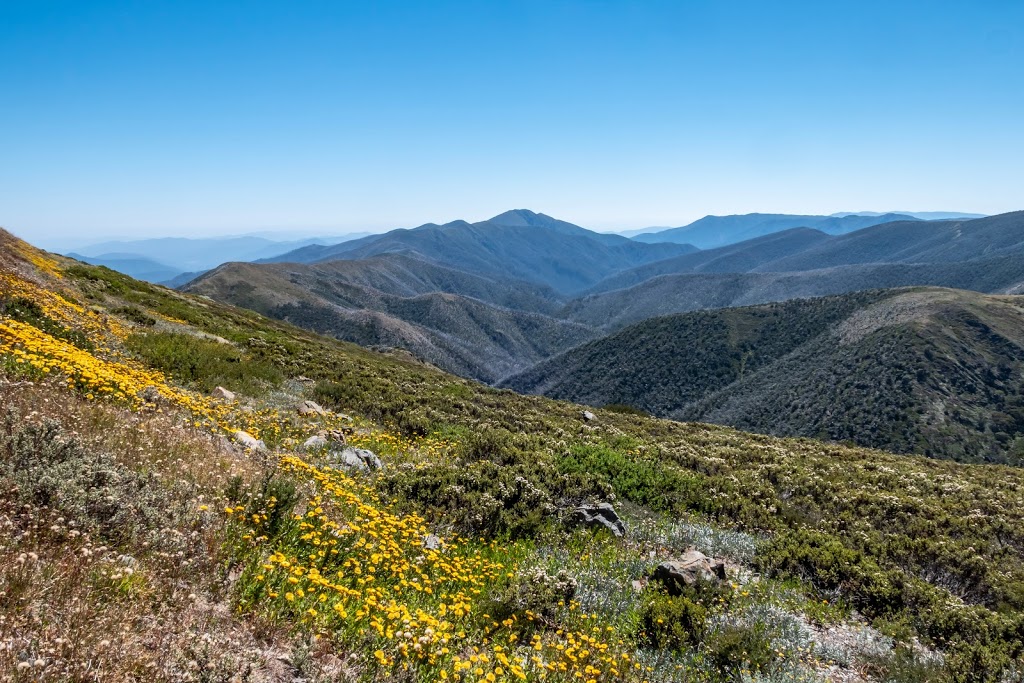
{"x": 914, "y": 242}
{"x": 522, "y": 245}
{"x": 933, "y": 371}
{"x": 717, "y": 231}
{"x": 460, "y": 322}
{"x": 736, "y": 258}
{"x": 680, "y": 293}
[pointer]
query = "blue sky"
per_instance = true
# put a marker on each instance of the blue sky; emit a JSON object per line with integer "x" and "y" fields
{"x": 189, "y": 118}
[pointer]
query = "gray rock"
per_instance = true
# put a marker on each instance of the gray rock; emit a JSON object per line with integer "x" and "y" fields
{"x": 249, "y": 442}
{"x": 222, "y": 393}
{"x": 310, "y": 408}
{"x": 150, "y": 394}
{"x": 693, "y": 567}
{"x": 314, "y": 442}
{"x": 588, "y": 416}
{"x": 357, "y": 459}
{"x": 602, "y": 515}
{"x": 432, "y": 542}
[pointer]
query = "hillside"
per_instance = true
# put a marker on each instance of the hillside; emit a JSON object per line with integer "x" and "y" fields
{"x": 928, "y": 371}
{"x": 712, "y": 232}
{"x": 463, "y": 323}
{"x": 680, "y": 293}
{"x": 153, "y": 542}
{"x": 742, "y": 257}
{"x": 516, "y": 245}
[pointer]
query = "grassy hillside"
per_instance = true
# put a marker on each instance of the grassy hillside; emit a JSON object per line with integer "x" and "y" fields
{"x": 395, "y": 301}
{"x": 926, "y": 371}
{"x": 142, "y": 544}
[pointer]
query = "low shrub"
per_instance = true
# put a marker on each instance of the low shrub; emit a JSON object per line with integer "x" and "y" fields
{"x": 204, "y": 364}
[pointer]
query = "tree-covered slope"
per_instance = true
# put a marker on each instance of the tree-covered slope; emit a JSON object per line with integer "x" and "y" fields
{"x": 930, "y": 371}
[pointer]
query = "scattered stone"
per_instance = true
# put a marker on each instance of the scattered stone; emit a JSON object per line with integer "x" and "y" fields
{"x": 315, "y": 442}
{"x": 310, "y": 408}
{"x": 588, "y": 416}
{"x": 249, "y": 442}
{"x": 692, "y": 567}
{"x": 432, "y": 542}
{"x": 602, "y": 514}
{"x": 222, "y": 393}
{"x": 356, "y": 458}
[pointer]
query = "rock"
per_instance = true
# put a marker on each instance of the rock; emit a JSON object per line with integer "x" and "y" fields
{"x": 692, "y": 567}
{"x": 249, "y": 442}
{"x": 310, "y": 408}
{"x": 304, "y": 379}
{"x": 356, "y": 458}
{"x": 338, "y": 435}
{"x": 432, "y": 542}
{"x": 588, "y": 416}
{"x": 602, "y": 514}
{"x": 150, "y": 394}
{"x": 314, "y": 442}
{"x": 222, "y": 393}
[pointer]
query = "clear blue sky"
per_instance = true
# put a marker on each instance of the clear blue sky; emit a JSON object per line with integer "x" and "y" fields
{"x": 190, "y": 117}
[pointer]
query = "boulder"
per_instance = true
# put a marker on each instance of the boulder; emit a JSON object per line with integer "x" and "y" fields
{"x": 693, "y": 567}
{"x": 356, "y": 458}
{"x": 310, "y": 408}
{"x": 588, "y": 416}
{"x": 600, "y": 515}
{"x": 249, "y": 442}
{"x": 314, "y": 442}
{"x": 222, "y": 393}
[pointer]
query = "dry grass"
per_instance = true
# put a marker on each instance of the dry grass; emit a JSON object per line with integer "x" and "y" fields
{"x": 80, "y": 601}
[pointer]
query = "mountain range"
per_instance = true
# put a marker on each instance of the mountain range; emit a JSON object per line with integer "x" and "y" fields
{"x": 167, "y": 259}
{"x": 532, "y": 303}
{"x": 718, "y": 231}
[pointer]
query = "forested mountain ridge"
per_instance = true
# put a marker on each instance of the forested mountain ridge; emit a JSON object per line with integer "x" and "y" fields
{"x": 930, "y": 371}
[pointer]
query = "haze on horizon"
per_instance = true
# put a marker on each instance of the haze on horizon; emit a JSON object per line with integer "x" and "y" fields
{"x": 185, "y": 118}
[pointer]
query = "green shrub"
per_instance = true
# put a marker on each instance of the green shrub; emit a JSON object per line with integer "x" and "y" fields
{"x": 204, "y": 364}
{"x": 738, "y": 647}
{"x": 642, "y": 481}
{"x": 273, "y": 496}
{"x": 136, "y": 315}
{"x": 904, "y": 665}
{"x": 673, "y": 623}
{"x": 535, "y": 592}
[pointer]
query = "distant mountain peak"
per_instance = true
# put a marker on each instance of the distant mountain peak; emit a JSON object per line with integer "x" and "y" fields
{"x": 523, "y": 217}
